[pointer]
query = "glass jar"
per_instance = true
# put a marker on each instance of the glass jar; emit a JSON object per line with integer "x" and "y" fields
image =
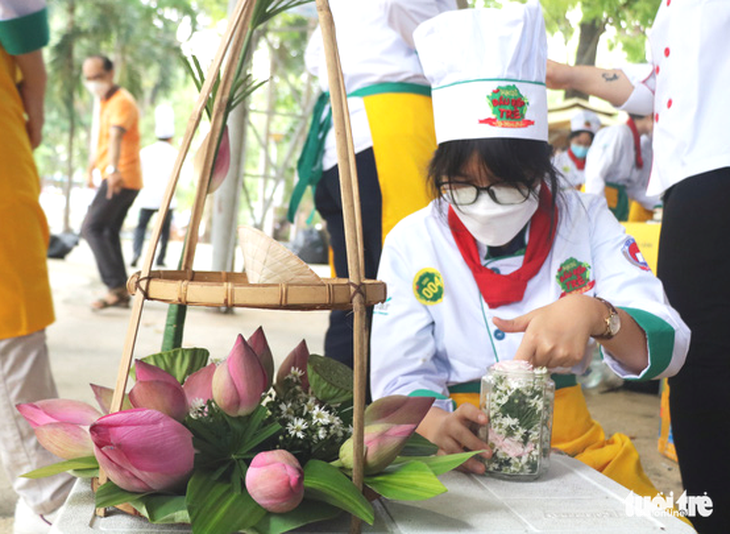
{"x": 518, "y": 401}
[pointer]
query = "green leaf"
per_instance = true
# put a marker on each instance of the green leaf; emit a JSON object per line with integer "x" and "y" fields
{"x": 330, "y": 380}
{"x": 438, "y": 464}
{"x": 413, "y": 481}
{"x": 110, "y": 495}
{"x": 307, "y": 512}
{"x": 84, "y": 473}
{"x": 214, "y": 507}
{"x": 323, "y": 482}
{"x": 87, "y": 462}
{"x": 163, "y": 509}
{"x": 180, "y": 363}
{"x": 417, "y": 445}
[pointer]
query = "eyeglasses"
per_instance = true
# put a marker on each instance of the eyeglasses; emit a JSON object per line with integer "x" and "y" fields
{"x": 466, "y": 193}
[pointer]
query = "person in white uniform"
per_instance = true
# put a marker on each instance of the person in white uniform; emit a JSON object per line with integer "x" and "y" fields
{"x": 616, "y": 163}
{"x": 686, "y": 86}
{"x": 571, "y": 162}
{"x": 158, "y": 160}
{"x": 392, "y": 125}
{"x": 502, "y": 264}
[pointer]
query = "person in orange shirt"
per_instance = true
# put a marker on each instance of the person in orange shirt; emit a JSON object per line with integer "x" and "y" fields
{"x": 117, "y": 158}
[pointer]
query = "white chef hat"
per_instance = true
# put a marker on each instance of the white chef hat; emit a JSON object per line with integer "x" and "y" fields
{"x": 585, "y": 121}
{"x": 487, "y": 72}
{"x": 164, "y": 122}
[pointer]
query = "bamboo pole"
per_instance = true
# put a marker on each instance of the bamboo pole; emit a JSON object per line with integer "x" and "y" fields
{"x": 237, "y": 21}
{"x": 353, "y": 233}
{"x": 216, "y": 126}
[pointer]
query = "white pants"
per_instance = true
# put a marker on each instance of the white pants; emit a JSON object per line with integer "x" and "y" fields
{"x": 25, "y": 376}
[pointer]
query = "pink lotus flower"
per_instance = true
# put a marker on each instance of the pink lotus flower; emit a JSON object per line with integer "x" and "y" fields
{"x": 222, "y": 161}
{"x": 104, "y": 397}
{"x": 275, "y": 480}
{"x": 239, "y": 382}
{"x": 198, "y": 387}
{"x": 58, "y": 411}
{"x": 143, "y": 450}
{"x": 383, "y": 442}
{"x": 158, "y": 390}
{"x": 61, "y": 426}
{"x": 398, "y": 409}
{"x": 297, "y": 359}
{"x": 389, "y": 423}
{"x": 260, "y": 346}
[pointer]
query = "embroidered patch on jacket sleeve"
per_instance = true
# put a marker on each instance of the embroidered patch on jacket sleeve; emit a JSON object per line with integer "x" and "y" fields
{"x": 632, "y": 253}
{"x": 574, "y": 277}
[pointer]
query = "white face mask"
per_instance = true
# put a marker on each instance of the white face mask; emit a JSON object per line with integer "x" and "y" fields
{"x": 495, "y": 224}
{"x": 97, "y": 87}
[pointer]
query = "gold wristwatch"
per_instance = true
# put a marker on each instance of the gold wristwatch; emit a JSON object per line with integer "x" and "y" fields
{"x": 613, "y": 321}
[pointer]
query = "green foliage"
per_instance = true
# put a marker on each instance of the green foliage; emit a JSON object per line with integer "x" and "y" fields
{"x": 180, "y": 363}
{"x": 330, "y": 380}
{"x": 307, "y": 512}
{"x": 326, "y": 483}
{"x": 109, "y": 494}
{"x": 215, "y": 507}
{"x": 438, "y": 464}
{"x": 411, "y": 481}
{"x": 163, "y": 509}
{"x": 85, "y": 463}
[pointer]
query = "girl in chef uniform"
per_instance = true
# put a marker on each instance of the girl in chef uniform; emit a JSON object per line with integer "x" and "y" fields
{"x": 503, "y": 265}
{"x": 572, "y": 162}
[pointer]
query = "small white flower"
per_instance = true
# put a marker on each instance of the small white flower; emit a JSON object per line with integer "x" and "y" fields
{"x": 297, "y": 427}
{"x": 287, "y": 410}
{"x": 197, "y": 408}
{"x": 310, "y": 405}
{"x": 322, "y": 433}
{"x": 295, "y": 371}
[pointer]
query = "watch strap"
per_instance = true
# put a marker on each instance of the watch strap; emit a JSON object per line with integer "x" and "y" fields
{"x": 612, "y": 311}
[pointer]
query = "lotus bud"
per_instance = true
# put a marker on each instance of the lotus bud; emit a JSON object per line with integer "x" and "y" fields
{"x": 383, "y": 442}
{"x": 239, "y": 382}
{"x": 104, "y": 397}
{"x": 58, "y": 411}
{"x": 275, "y": 480}
{"x": 260, "y": 346}
{"x": 198, "y": 387}
{"x": 297, "y": 359}
{"x": 398, "y": 410}
{"x": 158, "y": 390}
{"x": 62, "y": 426}
{"x": 143, "y": 450}
{"x": 221, "y": 164}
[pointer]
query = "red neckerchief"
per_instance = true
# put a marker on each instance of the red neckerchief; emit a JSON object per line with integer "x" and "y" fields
{"x": 498, "y": 289}
{"x": 580, "y": 164}
{"x": 637, "y": 143}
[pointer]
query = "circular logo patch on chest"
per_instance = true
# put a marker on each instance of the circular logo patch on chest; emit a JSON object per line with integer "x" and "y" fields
{"x": 428, "y": 286}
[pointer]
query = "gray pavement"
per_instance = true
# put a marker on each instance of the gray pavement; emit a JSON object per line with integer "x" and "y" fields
{"x": 86, "y": 347}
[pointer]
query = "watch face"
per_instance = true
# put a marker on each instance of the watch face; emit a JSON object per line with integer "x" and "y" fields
{"x": 614, "y": 323}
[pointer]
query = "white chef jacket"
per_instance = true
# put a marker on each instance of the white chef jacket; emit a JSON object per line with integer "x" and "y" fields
{"x": 430, "y": 345}
{"x": 157, "y": 160}
{"x": 375, "y": 43}
{"x": 690, "y": 80}
{"x": 612, "y": 159}
{"x": 571, "y": 175}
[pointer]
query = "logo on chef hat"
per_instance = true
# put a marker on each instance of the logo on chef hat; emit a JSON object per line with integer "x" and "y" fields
{"x": 632, "y": 253}
{"x": 509, "y": 107}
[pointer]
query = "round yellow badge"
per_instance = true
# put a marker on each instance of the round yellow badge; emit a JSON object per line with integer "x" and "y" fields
{"x": 428, "y": 286}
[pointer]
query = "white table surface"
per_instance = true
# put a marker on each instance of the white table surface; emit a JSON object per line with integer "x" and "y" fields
{"x": 570, "y": 498}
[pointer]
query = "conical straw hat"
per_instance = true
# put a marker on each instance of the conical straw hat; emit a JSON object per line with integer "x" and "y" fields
{"x": 268, "y": 262}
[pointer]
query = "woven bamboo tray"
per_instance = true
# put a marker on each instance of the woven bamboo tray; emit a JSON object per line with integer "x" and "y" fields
{"x": 225, "y": 289}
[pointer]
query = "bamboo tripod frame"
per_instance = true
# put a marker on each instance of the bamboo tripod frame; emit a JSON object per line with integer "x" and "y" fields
{"x": 355, "y": 293}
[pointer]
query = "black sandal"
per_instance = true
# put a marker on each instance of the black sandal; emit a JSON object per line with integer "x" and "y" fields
{"x": 116, "y": 298}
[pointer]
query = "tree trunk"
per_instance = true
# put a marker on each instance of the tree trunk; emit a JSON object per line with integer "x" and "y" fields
{"x": 70, "y": 108}
{"x": 590, "y": 34}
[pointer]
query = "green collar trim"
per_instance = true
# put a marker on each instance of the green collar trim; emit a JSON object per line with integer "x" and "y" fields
{"x": 487, "y": 80}
{"x": 25, "y": 34}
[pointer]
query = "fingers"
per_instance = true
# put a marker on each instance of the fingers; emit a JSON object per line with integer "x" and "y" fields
{"x": 518, "y": 324}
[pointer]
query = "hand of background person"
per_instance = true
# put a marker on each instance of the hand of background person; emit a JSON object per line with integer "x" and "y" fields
{"x": 114, "y": 184}
{"x": 452, "y": 433}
